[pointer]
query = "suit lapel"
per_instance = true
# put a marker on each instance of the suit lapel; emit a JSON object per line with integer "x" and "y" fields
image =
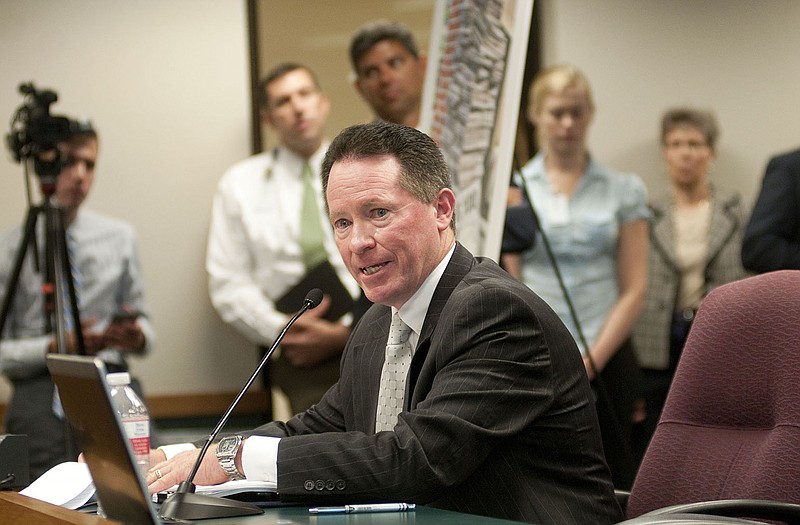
{"x": 723, "y": 226}
{"x": 662, "y": 235}
{"x": 458, "y": 267}
{"x": 369, "y": 351}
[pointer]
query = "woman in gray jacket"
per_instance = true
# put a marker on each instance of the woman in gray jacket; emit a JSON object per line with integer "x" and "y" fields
{"x": 695, "y": 242}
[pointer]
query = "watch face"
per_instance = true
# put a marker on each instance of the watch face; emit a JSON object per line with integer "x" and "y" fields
{"x": 226, "y": 445}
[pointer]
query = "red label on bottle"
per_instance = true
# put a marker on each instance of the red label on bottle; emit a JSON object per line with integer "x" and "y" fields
{"x": 138, "y": 432}
{"x": 141, "y": 446}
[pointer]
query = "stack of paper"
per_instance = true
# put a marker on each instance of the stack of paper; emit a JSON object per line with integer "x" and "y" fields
{"x": 68, "y": 484}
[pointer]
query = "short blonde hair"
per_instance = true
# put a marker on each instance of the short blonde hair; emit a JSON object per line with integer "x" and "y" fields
{"x": 555, "y": 79}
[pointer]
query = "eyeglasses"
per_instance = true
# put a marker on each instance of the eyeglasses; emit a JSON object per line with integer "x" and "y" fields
{"x": 693, "y": 145}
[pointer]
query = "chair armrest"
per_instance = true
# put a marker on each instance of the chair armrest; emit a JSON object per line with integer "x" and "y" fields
{"x": 742, "y": 508}
{"x": 681, "y": 518}
{"x": 622, "y": 498}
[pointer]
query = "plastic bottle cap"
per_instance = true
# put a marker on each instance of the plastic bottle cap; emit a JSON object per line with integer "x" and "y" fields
{"x": 118, "y": 379}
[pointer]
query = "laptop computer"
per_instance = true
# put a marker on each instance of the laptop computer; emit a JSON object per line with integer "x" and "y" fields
{"x": 98, "y": 431}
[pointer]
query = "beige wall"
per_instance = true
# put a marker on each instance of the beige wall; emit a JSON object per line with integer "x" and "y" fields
{"x": 167, "y": 85}
{"x": 300, "y": 31}
{"x": 738, "y": 57}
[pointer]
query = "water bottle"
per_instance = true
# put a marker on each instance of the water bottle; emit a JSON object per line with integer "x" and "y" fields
{"x": 135, "y": 417}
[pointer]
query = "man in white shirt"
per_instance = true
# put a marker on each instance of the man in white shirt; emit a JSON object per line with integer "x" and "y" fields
{"x": 108, "y": 281}
{"x": 256, "y": 253}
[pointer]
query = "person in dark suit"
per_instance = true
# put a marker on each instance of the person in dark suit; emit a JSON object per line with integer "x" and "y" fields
{"x": 772, "y": 237}
{"x": 497, "y": 416}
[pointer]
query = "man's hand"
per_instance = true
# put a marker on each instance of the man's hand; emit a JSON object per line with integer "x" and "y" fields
{"x": 312, "y": 339}
{"x": 157, "y": 456}
{"x": 92, "y": 341}
{"x": 125, "y": 334}
{"x": 166, "y": 474}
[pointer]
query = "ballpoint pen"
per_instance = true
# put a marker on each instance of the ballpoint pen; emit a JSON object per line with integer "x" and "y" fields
{"x": 353, "y": 509}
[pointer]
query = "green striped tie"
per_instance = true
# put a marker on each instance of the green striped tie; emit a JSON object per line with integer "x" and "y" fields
{"x": 312, "y": 238}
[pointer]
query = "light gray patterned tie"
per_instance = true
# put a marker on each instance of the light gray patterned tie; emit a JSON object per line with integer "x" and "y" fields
{"x": 393, "y": 375}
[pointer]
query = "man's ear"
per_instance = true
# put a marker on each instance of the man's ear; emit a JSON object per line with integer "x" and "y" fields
{"x": 324, "y": 106}
{"x": 423, "y": 62}
{"x": 266, "y": 118}
{"x": 531, "y": 114}
{"x": 445, "y": 207}
{"x": 357, "y": 85}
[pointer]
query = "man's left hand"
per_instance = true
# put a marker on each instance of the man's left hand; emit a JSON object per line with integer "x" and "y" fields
{"x": 125, "y": 334}
{"x": 312, "y": 339}
{"x": 167, "y": 474}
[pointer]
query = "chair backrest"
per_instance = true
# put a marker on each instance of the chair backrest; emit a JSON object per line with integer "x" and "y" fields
{"x": 730, "y": 427}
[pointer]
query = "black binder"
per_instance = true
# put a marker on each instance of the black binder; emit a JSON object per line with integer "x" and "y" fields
{"x": 324, "y": 277}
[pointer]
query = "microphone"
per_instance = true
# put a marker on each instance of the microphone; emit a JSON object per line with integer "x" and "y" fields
{"x": 185, "y": 504}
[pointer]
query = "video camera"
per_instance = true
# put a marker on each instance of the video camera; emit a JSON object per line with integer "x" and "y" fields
{"x": 35, "y": 131}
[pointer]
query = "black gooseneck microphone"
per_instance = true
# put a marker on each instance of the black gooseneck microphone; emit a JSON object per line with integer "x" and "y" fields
{"x": 185, "y": 504}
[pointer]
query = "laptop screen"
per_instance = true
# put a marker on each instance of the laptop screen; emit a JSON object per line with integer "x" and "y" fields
{"x": 98, "y": 431}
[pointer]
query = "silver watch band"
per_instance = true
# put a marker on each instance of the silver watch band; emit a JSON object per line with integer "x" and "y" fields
{"x": 227, "y": 460}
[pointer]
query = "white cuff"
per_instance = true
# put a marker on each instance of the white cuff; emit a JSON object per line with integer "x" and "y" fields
{"x": 260, "y": 458}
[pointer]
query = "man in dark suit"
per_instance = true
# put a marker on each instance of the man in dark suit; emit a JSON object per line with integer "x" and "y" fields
{"x": 772, "y": 238}
{"x": 497, "y": 414}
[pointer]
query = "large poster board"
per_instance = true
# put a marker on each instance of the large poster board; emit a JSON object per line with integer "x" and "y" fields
{"x": 471, "y": 100}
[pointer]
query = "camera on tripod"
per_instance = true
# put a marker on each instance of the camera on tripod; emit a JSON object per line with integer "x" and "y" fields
{"x": 35, "y": 133}
{"x": 35, "y": 138}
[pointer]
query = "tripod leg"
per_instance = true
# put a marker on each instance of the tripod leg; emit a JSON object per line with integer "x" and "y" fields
{"x": 28, "y": 236}
{"x": 59, "y": 273}
{"x": 28, "y": 245}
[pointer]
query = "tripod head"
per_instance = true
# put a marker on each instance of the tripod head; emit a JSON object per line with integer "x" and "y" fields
{"x": 35, "y": 134}
{"x": 35, "y": 137}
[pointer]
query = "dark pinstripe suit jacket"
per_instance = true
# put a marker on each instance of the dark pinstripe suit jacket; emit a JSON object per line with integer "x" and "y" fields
{"x": 498, "y": 418}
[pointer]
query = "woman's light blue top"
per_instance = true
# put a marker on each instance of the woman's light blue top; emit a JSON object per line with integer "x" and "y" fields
{"x": 583, "y": 231}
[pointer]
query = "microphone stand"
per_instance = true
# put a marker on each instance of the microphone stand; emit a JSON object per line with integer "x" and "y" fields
{"x": 185, "y": 504}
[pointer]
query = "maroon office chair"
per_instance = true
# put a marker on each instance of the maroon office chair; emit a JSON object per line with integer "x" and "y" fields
{"x": 730, "y": 428}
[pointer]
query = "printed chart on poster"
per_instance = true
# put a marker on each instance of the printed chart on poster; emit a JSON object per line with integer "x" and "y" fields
{"x": 471, "y": 100}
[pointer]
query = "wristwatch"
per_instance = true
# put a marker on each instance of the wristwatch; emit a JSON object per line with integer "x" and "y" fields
{"x": 226, "y": 454}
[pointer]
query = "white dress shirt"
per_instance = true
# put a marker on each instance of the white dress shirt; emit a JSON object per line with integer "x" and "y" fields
{"x": 254, "y": 256}
{"x": 105, "y": 255}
